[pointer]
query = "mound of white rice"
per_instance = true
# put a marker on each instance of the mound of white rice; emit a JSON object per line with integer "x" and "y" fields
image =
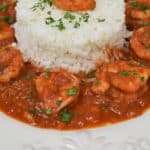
{"x": 75, "y": 49}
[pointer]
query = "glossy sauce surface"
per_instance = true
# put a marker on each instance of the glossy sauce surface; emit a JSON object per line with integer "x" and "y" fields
{"x": 19, "y": 97}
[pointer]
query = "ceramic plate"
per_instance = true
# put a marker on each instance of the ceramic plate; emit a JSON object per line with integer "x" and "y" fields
{"x": 129, "y": 135}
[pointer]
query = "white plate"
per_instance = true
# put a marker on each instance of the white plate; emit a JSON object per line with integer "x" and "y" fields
{"x": 130, "y": 135}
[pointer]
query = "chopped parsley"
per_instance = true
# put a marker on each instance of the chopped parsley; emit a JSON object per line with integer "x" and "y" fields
{"x": 72, "y": 91}
{"x": 65, "y": 116}
{"x": 85, "y": 17}
{"x": 49, "y": 20}
{"x": 140, "y": 63}
{"x": 3, "y": 7}
{"x": 69, "y": 16}
{"x": 124, "y": 73}
{"x": 145, "y": 24}
{"x": 47, "y": 71}
{"x": 96, "y": 82}
{"x": 60, "y": 25}
{"x": 41, "y": 5}
{"x": 32, "y": 110}
{"x": 91, "y": 74}
{"x": 105, "y": 105}
{"x": 142, "y": 79}
{"x": 28, "y": 76}
{"x": 8, "y": 19}
{"x": 30, "y": 94}
{"x": 48, "y": 111}
{"x": 136, "y": 5}
{"x": 58, "y": 102}
{"x": 76, "y": 25}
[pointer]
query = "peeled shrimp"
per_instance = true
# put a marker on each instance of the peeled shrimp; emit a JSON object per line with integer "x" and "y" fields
{"x": 138, "y": 9}
{"x": 128, "y": 77}
{"x": 57, "y": 89}
{"x": 9, "y": 9}
{"x": 6, "y": 34}
{"x": 11, "y": 62}
{"x": 75, "y": 5}
{"x": 140, "y": 42}
{"x": 125, "y": 76}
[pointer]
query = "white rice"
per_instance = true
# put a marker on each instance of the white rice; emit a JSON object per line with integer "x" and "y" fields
{"x": 72, "y": 49}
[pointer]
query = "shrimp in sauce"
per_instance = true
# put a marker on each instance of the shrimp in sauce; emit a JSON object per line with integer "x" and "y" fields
{"x": 11, "y": 63}
{"x": 7, "y": 11}
{"x": 138, "y": 9}
{"x": 125, "y": 76}
{"x": 57, "y": 89}
{"x": 140, "y": 42}
{"x": 75, "y": 5}
{"x": 6, "y": 34}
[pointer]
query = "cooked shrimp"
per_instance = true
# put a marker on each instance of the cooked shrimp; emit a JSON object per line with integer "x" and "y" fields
{"x": 75, "y": 5}
{"x": 101, "y": 84}
{"x": 11, "y": 62}
{"x": 7, "y": 9}
{"x": 138, "y": 9}
{"x": 57, "y": 89}
{"x": 125, "y": 76}
{"x": 128, "y": 77}
{"x": 140, "y": 42}
{"x": 6, "y": 34}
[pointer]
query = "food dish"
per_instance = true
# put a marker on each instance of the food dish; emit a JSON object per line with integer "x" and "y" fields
{"x": 117, "y": 90}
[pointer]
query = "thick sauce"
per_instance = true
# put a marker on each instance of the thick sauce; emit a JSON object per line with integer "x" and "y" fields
{"x": 19, "y": 100}
{"x": 19, "y": 97}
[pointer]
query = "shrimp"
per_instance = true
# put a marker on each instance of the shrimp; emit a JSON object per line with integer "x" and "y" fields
{"x": 128, "y": 76}
{"x": 57, "y": 89}
{"x": 140, "y": 42}
{"x": 11, "y": 62}
{"x": 138, "y": 9}
{"x": 7, "y": 10}
{"x": 101, "y": 84}
{"x": 6, "y": 34}
{"x": 125, "y": 76}
{"x": 75, "y": 5}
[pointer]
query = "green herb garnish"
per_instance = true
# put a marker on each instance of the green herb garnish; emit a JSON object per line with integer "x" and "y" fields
{"x": 8, "y": 19}
{"x": 48, "y": 111}
{"x": 3, "y": 7}
{"x": 69, "y": 16}
{"x": 28, "y": 76}
{"x": 105, "y": 105}
{"x": 91, "y": 74}
{"x": 124, "y": 73}
{"x": 65, "y": 116}
{"x": 72, "y": 91}
{"x": 142, "y": 79}
{"x": 47, "y": 71}
{"x": 58, "y": 102}
{"x": 96, "y": 82}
